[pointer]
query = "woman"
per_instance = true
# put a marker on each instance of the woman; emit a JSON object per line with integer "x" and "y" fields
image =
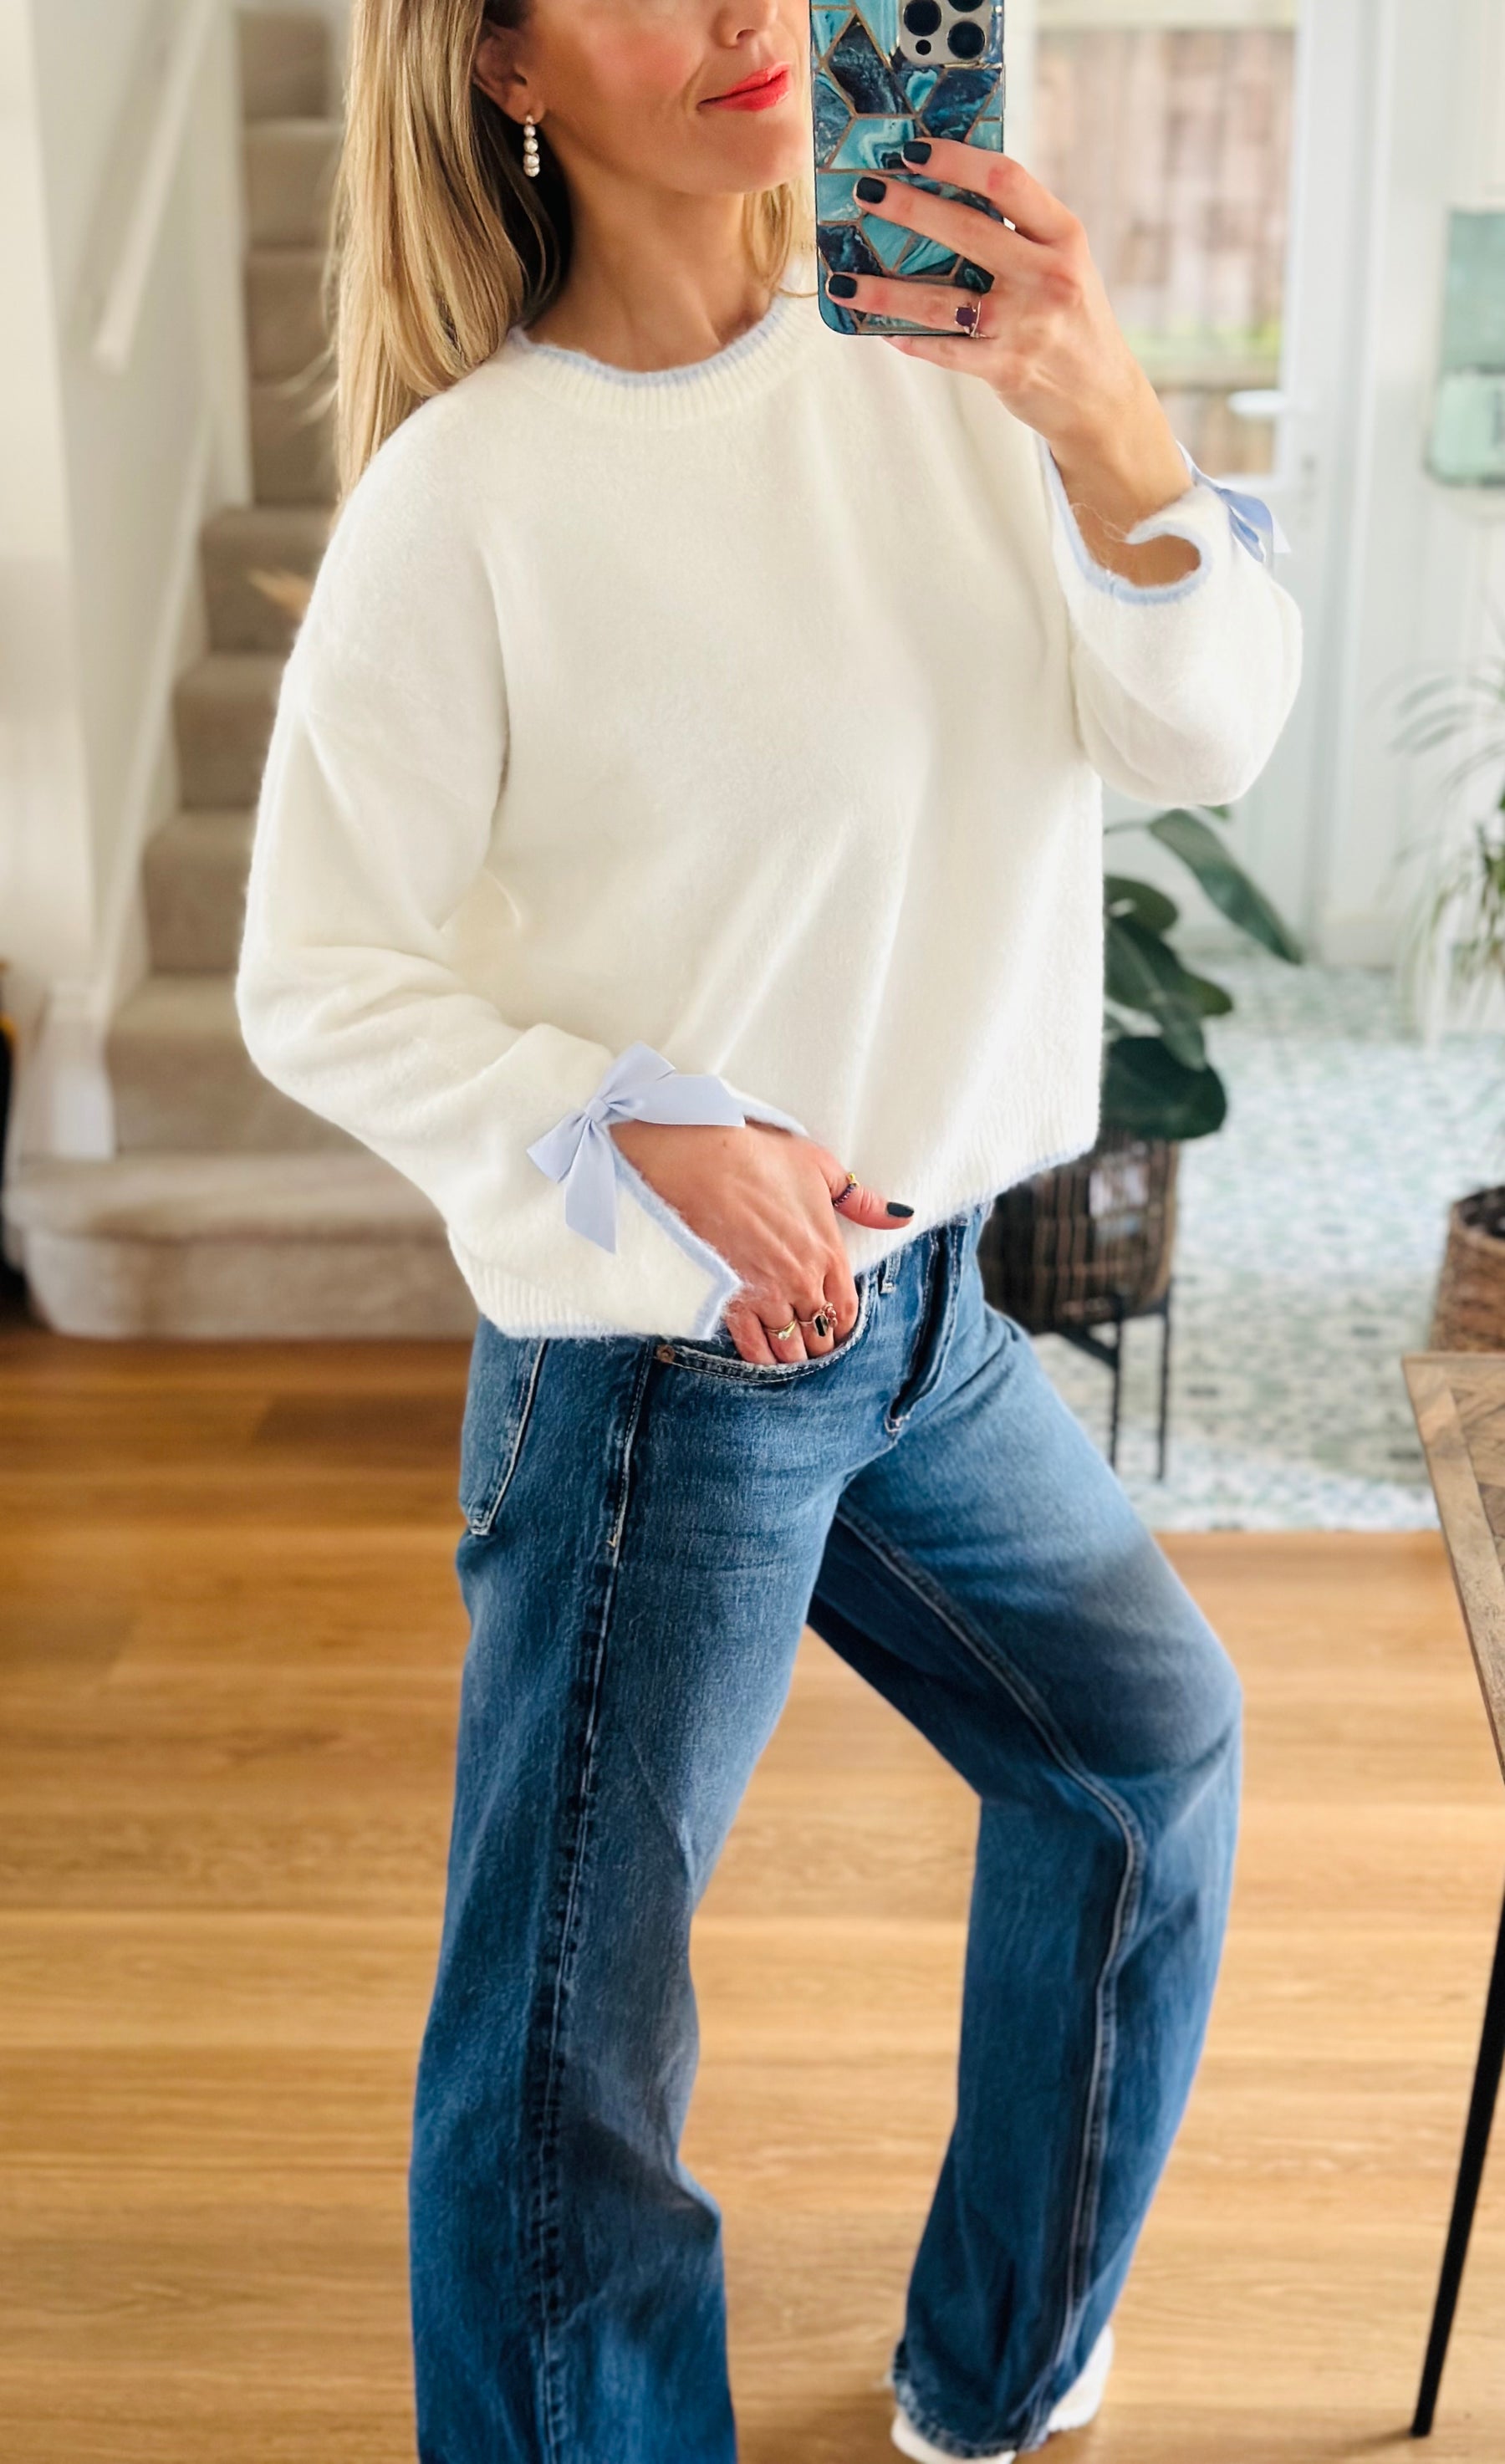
{"x": 679, "y": 855}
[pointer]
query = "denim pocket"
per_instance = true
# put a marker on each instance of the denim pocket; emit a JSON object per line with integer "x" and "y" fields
{"x": 721, "y": 1357}
{"x": 498, "y": 1403}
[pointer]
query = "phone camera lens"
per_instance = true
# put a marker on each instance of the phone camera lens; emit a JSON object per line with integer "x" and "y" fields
{"x": 965, "y": 41}
{"x": 922, "y": 17}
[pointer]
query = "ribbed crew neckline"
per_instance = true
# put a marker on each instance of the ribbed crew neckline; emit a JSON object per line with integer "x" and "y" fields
{"x": 673, "y": 397}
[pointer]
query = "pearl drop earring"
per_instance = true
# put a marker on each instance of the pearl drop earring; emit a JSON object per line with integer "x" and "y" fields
{"x": 530, "y": 148}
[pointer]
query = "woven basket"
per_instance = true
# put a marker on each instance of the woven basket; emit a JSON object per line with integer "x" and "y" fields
{"x": 1090, "y": 1241}
{"x": 1470, "y": 1314}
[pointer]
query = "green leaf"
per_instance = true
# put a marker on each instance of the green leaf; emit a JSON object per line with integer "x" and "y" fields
{"x": 1226, "y": 882}
{"x": 1149, "y": 907}
{"x": 1136, "y": 902}
{"x": 1209, "y": 999}
{"x": 1148, "y": 1091}
{"x": 1145, "y": 974}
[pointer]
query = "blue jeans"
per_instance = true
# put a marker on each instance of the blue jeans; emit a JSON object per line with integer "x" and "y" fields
{"x": 649, "y": 1525}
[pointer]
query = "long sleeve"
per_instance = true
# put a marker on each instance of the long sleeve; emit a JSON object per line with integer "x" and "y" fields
{"x": 374, "y": 829}
{"x": 1182, "y": 689}
{"x": 654, "y": 735}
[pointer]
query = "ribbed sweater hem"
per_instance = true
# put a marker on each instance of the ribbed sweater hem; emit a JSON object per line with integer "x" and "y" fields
{"x": 521, "y": 1309}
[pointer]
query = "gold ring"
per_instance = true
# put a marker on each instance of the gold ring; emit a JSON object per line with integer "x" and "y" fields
{"x": 823, "y": 1323}
{"x": 781, "y": 1334}
{"x": 853, "y": 1182}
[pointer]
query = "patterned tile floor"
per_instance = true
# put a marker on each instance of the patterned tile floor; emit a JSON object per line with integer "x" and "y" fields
{"x": 1312, "y": 1230}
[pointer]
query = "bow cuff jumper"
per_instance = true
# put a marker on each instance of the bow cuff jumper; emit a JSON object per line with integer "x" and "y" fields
{"x": 741, "y": 726}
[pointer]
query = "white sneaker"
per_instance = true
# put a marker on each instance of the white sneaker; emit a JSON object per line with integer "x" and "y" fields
{"x": 1077, "y": 2409}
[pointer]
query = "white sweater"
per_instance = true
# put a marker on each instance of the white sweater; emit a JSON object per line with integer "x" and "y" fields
{"x": 752, "y": 711}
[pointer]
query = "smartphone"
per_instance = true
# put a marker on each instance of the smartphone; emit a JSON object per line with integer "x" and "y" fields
{"x": 881, "y": 73}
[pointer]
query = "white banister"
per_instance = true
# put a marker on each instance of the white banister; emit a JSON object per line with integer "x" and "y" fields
{"x": 116, "y": 337}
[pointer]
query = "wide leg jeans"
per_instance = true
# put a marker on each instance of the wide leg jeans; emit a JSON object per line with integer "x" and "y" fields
{"x": 649, "y": 1524}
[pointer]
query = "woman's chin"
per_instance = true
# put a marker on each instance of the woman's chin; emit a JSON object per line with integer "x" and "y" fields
{"x": 754, "y": 158}
{"x": 758, "y": 150}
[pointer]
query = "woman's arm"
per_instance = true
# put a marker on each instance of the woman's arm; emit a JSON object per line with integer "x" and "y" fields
{"x": 375, "y": 825}
{"x": 1043, "y": 336}
{"x": 1185, "y": 651}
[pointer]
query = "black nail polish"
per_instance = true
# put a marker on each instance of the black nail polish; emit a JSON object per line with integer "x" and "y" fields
{"x": 872, "y": 192}
{"x": 841, "y": 286}
{"x": 895, "y": 1208}
{"x": 893, "y": 161}
{"x": 916, "y": 151}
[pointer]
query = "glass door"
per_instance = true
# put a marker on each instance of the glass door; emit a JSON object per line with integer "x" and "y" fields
{"x": 1168, "y": 129}
{"x": 1218, "y": 154}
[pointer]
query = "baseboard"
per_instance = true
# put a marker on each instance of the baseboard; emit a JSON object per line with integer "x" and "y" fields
{"x": 1362, "y": 936}
{"x": 64, "y": 1103}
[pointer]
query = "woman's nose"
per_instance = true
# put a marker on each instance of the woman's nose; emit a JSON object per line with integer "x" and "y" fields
{"x": 741, "y": 18}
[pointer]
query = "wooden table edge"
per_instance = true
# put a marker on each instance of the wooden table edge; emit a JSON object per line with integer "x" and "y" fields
{"x": 1472, "y": 1549}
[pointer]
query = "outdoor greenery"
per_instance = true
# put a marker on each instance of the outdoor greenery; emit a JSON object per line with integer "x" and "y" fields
{"x": 1158, "y": 1081}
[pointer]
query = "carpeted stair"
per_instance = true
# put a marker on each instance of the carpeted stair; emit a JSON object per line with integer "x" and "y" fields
{"x": 228, "y": 1210}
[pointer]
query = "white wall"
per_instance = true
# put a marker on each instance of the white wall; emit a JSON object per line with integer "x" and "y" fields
{"x": 1402, "y": 119}
{"x": 45, "y": 869}
{"x": 338, "y": 12}
{"x": 1425, "y": 562}
{"x": 106, "y": 476}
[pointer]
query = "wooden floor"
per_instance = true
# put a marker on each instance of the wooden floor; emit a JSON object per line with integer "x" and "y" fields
{"x": 231, "y": 1635}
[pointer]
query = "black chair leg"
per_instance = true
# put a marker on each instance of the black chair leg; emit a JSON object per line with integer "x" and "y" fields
{"x": 1470, "y": 2173}
{"x": 1164, "y": 1432}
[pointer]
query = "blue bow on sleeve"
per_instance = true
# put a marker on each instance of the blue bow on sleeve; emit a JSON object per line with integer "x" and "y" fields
{"x": 1254, "y": 526}
{"x": 640, "y": 1085}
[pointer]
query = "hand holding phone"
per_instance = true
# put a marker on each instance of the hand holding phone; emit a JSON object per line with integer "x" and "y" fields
{"x": 887, "y": 75}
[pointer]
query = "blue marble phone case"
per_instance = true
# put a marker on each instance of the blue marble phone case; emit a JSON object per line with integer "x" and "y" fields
{"x": 880, "y": 72}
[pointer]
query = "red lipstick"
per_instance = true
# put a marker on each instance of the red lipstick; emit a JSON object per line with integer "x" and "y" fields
{"x": 758, "y": 92}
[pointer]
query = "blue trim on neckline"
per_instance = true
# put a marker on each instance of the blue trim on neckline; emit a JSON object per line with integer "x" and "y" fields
{"x": 692, "y": 372}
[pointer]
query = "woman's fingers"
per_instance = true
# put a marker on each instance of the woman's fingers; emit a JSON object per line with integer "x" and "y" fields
{"x": 841, "y": 1302}
{"x": 769, "y": 1204}
{"x": 816, "y": 1326}
{"x": 861, "y": 1204}
{"x": 1032, "y": 207}
{"x": 973, "y": 233}
{"x": 943, "y": 308}
{"x": 764, "y": 1330}
{"x": 783, "y": 1324}
{"x": 786, "y": 1334}
{"x": 751, "y": 1336}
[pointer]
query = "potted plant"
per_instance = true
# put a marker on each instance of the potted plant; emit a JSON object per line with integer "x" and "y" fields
{"x": 1460, "y": 945}
{"x": 1091, "y": 1243}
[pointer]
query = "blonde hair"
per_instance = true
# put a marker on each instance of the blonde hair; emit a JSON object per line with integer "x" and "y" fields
{"x": 441, "y": 244}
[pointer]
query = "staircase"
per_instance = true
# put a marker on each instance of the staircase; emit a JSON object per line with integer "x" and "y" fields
{"x": 229, "y": 1210}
